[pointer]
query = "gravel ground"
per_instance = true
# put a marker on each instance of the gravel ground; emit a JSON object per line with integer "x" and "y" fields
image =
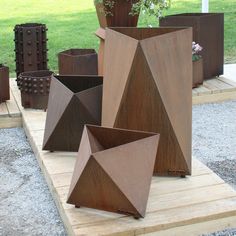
{"x": 26, "y": 205}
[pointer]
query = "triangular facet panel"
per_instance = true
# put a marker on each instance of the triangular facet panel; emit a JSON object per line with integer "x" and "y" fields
{"x": 115, "y": 178}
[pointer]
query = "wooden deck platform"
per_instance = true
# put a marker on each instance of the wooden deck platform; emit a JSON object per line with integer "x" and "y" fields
{"x": 10, "y": 115}
{"x": 198, "y": 204}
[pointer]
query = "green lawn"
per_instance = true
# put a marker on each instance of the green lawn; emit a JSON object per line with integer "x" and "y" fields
{"x": 72, "y": 24}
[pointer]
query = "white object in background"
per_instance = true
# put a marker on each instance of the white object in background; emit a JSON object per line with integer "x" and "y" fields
{"x": 205, "y": 6}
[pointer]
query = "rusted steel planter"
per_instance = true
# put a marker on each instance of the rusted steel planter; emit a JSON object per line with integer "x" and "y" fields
{"x": 78, "y": 62}
{"x": 113, "y": 170}
{"x": 4, "y": 83}
{"x": 148, "y": 87}
{"x": 73, "y": 102}
{"x": 119, "y": 15}
{"x": 208, "y": 31}
{"x": 34, "y": 87}
{"x": 30, "y": 47}
{"x": 197, "y": 73}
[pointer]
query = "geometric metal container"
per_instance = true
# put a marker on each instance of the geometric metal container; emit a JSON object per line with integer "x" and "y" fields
{"x": 208, "y": 31}
{"x": 30, "y": 47}
{"x": 73, "y": 102}
{"x": 113, "y": 170}
{"x": 34, "y": 87}
{"x": 4, "y": 83}
{"x": 197, "y": 73}
{"x": 78, "y": 62}
{"x": 148, "y": 86}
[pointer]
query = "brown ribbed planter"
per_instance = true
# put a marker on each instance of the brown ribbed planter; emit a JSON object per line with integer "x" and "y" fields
{"x": 197, "y": 73}
{"x": 35, "y": 87}
{"x": 78, "y": 62}
{"x": 4, "y": 83}
{"x": 73, "y": 102}
{"x": 208, "y": 31}
{"x": 113, "y": 170}
{"x": 148, "y": 87}
{"x": 30, "y": 47}
{"x": 119, "y": 15}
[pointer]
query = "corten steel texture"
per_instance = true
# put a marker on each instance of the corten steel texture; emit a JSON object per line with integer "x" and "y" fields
{"x": 208, "y": 31}
{"x": 4, "y": 83}
{"x": 148, "y": 86}
{"x": 197, "y": 73}
{"x": 118, "y": 16}
{"x": 30, "y": 47}
{"x": 35, "y": 87}
{"x": 100, "y": 33}
{"x": 78, "y": 62}
{"x": 73, "y": 102}
{"x": 113, "y": 170}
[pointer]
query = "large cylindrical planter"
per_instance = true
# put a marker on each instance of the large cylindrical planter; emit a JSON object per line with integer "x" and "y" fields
{"x": 35, "y": 87}
{"x": 4, "y": 83}
{"x": 148, "y": 86}
{"x": 208, "y": 31}
{"x": 30, "y": 47}
{"x": 78, "y": 62}
{"x": 73, "y": 102}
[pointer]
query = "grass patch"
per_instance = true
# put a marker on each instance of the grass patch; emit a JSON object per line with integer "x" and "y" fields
{"x": 72, "y": 24}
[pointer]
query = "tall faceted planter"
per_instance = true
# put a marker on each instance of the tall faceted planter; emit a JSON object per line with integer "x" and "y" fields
{"x": 113, "y": 170}
{"x": 73, "y": 102}
{"x": 119, "y": 16}
{"x": 208, "y": 31}
{"x": 148, "y": 87}
{"x": 30, "y": 47}
{"x": 78, "y": 62}
{"x": 197, "y": 73}
{"x": 4, "y": 83}
{"x": 34, "y": 87}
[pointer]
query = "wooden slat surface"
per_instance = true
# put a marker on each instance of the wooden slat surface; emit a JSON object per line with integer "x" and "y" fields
{"x": 199, "y": 204}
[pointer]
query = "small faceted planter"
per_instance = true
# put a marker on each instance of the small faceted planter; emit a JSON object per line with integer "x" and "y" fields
{"x": 78, "y": 62}
{"x": 4, "y": 83}
{"x": 34, "y": 87}
{"x": 197, "y": 73}
{"x": 208, "y": 31}
{"x": 113, "y": 170}
{"x": 148, "y": 87}
{"x": 73, "y": 102}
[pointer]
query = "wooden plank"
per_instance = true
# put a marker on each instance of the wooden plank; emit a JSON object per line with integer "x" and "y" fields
{"x": 3, "y": 110}
{"x": 228, "y": 81}
{"x": 220, "y": 85}
{"x": 201, "y": 90}
{"x": 10, "y": 122}
{"x": 211, "y": 86}
{"x": 12, "y": 106}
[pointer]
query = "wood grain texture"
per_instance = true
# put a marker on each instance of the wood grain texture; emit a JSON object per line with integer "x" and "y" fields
{"x": 147, "y": 87}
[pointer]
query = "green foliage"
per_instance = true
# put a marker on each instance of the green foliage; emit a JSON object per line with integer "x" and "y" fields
{"x": 72, "y": 23}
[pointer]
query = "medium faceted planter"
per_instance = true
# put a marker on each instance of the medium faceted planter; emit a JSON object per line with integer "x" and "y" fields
{"x": 73, "y": 102}
{"x": 78, "y": 62}
{"x": 118, "y": 16}
{"x": 208, "y": 31}
{"x": 34, "y": 87}
{"x": 4, "y": 83}
{"x": 113, "y": 170}
{"x": 197, "y": 73}
{"x": 148, "y": 87}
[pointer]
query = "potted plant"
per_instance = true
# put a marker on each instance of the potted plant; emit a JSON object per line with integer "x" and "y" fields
{"x": 125, "y": 13}
{"x": 197, "y": 65}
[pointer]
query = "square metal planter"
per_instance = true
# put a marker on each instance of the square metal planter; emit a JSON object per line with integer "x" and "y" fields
{"x": 197, "y": 73}
{"x": 208, "y": 31}
{"x": 4, "y": 83}
{"x": 78, "y": 62}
